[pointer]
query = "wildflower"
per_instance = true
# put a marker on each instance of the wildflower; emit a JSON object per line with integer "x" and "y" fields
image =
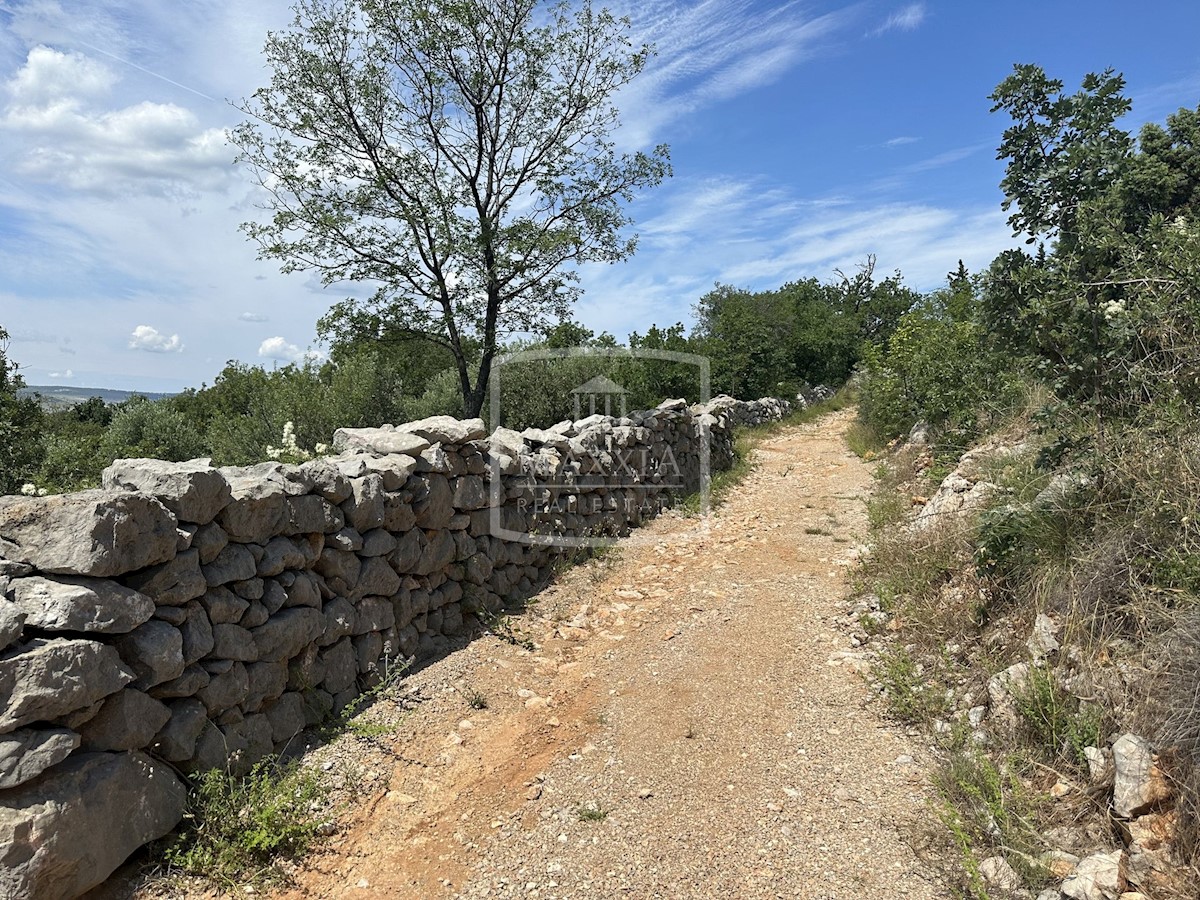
{"x": 1113, "y": 310}
{"x": 29, "y": 490}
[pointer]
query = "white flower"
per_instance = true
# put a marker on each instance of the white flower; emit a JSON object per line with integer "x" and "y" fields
{"x": 321, "y": 448}
{"x": 29, "y": 490}
{"x": 1113, "y": 309}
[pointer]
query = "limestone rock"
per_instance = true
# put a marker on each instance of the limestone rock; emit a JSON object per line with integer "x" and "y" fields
{"x": 1043, "y": 641}
{"x": 176, "y": 741}
{"x": 234, "y": 563}
{"x": 27, "y": 752}
{"x": 434, "y": 506}
{"x": 65, "y": 833}
{"x": 233, "y": 642}
{"x": 98, "y": 533}
{"x": 128, "y": 720}
{"x": 225, "y": 690}
{"x": 394, "y": 469}
{"x": 209, "y": 540}
{"x": 1138, "y": 783}
{"x": 955, "y": 496}
{"x": 286, "y": 717}
{"x": 1098, "y": 877}
{"x": 310, "y": 514}
{"x": 69, "y": 603}
{"x": 193, "y": 490}
{"x": 326, "y": 479}
{"x": 286, "y": 633}
{"x": 223, "y": 605}
{"x": 12, "y": 623}
{"x": 445, "y": 430}
{"x": 50, "y": 679}
{"x": 999, "y": 875}
{"x": 258, "y": 508}
{"x": 172, "y": 583}
{"x": 154, "y": 651}
{"x": 380, "y": 440}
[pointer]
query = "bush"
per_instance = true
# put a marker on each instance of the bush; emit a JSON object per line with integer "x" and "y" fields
{"x": 151, "y": 429}
{"x": 934, "y": 370}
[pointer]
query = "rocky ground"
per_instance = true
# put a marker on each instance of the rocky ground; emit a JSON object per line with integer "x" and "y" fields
{"x": 680, "y": 718}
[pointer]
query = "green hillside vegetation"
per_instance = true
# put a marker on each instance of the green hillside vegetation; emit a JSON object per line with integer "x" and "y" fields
{"x": 1083, "y": 352}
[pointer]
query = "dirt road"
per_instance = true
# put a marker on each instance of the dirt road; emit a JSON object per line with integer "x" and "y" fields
{"x": 683, "y": 727}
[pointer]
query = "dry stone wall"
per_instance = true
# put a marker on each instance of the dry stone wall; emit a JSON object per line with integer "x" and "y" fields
{"x": 186, "y": 617}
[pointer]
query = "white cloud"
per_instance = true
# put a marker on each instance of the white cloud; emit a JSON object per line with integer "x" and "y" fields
{"x": 279, "y": 348}
{"x": 146, "y": 337}
{"x": 59, "y": 132}
{"x": 66, "y": 374}
{"x": 900, "y": 141}
{"x": 253, "y": 317}
{"x": 905, "y": 19}
{"x": 52, "y": 77}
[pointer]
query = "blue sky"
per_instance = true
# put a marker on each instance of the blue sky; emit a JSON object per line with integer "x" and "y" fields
{"x": 804, "y": 137}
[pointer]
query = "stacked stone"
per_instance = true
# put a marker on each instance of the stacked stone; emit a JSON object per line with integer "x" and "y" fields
{"x": 202, "y": 617}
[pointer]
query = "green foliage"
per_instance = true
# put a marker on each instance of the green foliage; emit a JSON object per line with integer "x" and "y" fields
{"x": 236, "y": 828}
{"x": 1063, "y": 149}
{"x": 153, "y": 429}
{"x": 770, "y": 342}
{"x": 591, "y": 812}
{"x": 456, "y": 154}
{"x": 20, "y": 420}
{"x": 1058, "y": 724}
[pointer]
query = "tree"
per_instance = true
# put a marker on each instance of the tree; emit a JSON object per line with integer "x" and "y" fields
{"x": 20, "y": 426}
{"x": 456, "y": 153}
{"x": 1062, "y": 149}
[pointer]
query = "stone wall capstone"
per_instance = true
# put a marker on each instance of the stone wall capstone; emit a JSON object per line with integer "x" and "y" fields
{"x": 186, "y": 617}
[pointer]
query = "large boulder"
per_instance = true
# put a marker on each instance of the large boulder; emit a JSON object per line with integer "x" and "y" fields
{"x": 193, "y": 490}
{"x": 70, "y": 603}
{"x": 445, "y": 430}
{"x": 67, "y": 831}
{"x": 98, "y": 533}
{"x": 48, "y": 679}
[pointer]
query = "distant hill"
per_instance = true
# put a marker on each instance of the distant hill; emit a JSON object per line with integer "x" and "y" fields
{"x": 56, "y": 396}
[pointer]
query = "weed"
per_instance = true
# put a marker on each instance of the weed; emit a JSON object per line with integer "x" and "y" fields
{"x": 912, "y": 695}
{"x": 1058, "y": 723}
{"x": 987, "y": 805}
{"x": 236, "y": 828}
{"x": 475, "y": 699}
{"x": 591, "y": 812}
{"x": 864, "y": 440}
{"x": 825, "y": 532}
{"x": 501, "y": 626}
